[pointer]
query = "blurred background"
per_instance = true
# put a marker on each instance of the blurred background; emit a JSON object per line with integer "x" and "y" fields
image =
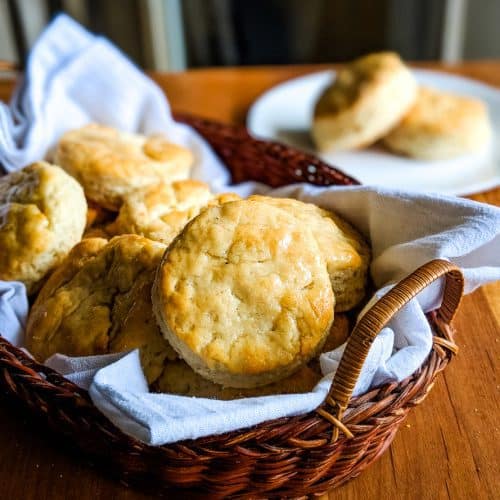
{"x": 172, "y": 35}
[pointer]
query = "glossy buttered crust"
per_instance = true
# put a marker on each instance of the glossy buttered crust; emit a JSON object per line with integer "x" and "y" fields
{"x": 99, "y": 301}
{"x": 367, "y": 99}
{"x": 110, "y": 164}
{"x": 440, "y": 125}
{"x": 160, "y": 212}
{"x": 243, "y": 295}
{"x": 43, "y": 214}
{"x": 345, "y": 251}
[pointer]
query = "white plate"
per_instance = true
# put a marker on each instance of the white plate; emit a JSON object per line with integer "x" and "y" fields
{"x": 284, "y": 114}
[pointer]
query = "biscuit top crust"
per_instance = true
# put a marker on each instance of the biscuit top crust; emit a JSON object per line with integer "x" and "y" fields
{"x": 243, "y": 289}
{"x": 99, "y": 301}
{"x": 42, "y": 215}
{"x": 437, "y": 113}
{"x": 27, "y": 207}
{"x": 160, "y": 212}
{"x": 110, "y": 163}
{"x": 339, "y": 243}
{"x": 358, "y": 80}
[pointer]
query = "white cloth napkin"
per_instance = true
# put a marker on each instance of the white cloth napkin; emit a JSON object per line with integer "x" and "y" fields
{"x": 74, "y": 77}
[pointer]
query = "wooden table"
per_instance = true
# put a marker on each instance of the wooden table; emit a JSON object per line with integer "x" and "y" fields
{"x": 448, "y": 447}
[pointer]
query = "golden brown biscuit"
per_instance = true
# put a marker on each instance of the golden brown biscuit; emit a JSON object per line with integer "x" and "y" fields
{"x": 160, "y": 212}
{"x": 344, "y": 250}
{"x": 97, "y": 231}
{"x": 99, "y": 301}
{"x": 243, "y": 295}
{"x": 338, "y": 334}
{"x": 440, "y": 126}
{"x": 367, "y": 99}
{"x": 110, "y": 164}
{"x": 179, "y": 378}
{"x": 43, "y": 213}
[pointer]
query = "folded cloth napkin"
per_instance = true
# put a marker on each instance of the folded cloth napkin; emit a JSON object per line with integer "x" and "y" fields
{"x": 85, "y": 79}
{"x": 72, "y": 78}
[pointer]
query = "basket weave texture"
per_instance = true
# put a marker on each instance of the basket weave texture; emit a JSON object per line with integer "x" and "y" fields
{"x": 288, "y": 457}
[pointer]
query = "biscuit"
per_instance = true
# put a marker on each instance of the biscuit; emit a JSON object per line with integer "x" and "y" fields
{"x": 96, "y": 231}
{"x": 344, "y": 250}
{"x": 110, "y": 164}
{"x": 179, "y": 378}
{"x": 367, "y": 99}
{"x": 440, "y": 126}
{"x": 99, "y": 301}
{"x": 43, "y": 214}
{"x": 160, "y": 212}
{"x": 243, "y": 295}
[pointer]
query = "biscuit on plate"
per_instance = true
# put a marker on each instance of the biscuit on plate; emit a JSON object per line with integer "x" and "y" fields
{"x": 367, "y": 99}
{"x": 243, "y": 295}
{"x": 110, "y": 164}
{"x": 160, "y": 212}
{"x": 43, "y": 214}
{"x": 99, "y": 301}
{"x": 439, "y": 126}
{"x": 346, "y": 253}
{"x": 179, "y": 378}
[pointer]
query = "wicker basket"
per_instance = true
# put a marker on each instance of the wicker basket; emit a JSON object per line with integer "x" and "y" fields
{"x": 295, "y": 456}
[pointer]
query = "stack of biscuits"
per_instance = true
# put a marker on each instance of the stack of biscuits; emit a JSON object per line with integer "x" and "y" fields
{"x": 224, "y": 297}
{"x": 376, "y": 98}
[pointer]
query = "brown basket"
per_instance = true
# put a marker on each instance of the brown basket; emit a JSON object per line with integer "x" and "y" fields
{"x": 295, "y": 456}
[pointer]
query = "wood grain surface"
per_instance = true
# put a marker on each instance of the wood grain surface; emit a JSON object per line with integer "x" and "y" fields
{"x": 449, "y": 447}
